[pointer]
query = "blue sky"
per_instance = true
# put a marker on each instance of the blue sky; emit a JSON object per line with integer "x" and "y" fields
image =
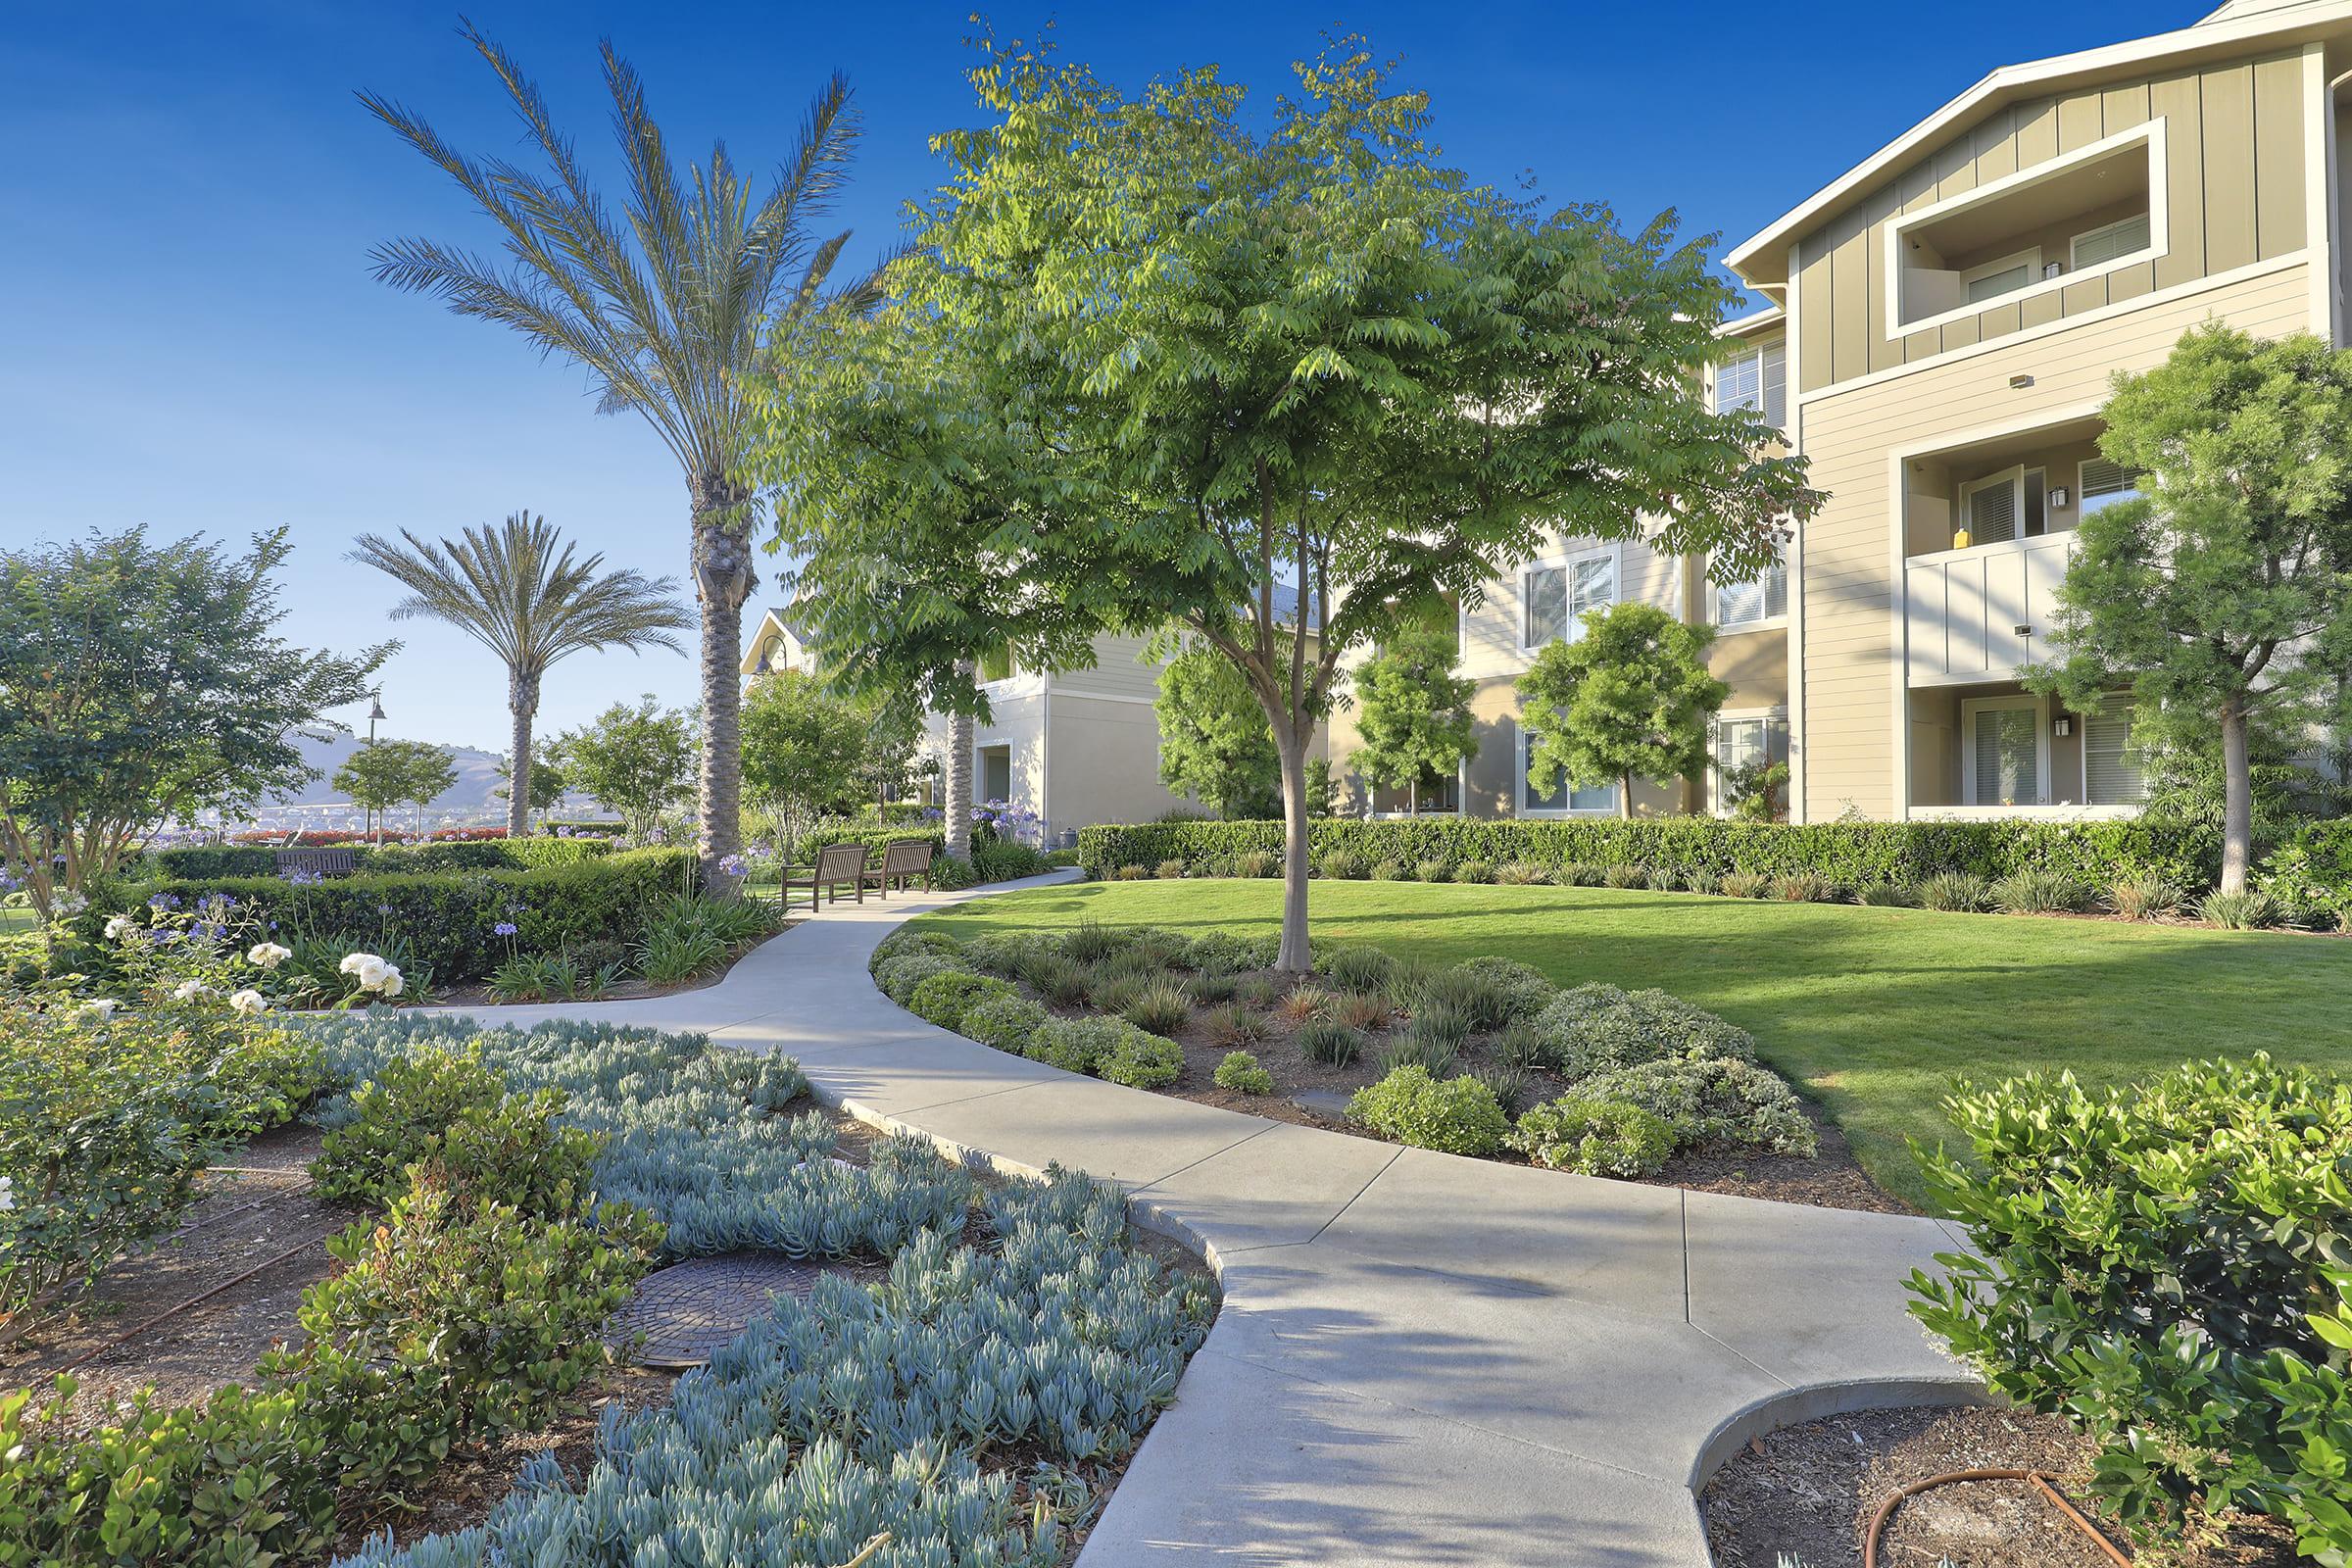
{"x": 191, "y": 339}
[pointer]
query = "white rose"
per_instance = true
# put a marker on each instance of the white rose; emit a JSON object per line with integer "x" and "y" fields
{"x": 268, "y": 954}
{"x": 98, "y": 1011}
{"x": 249, "y": 1001}
{"x": 8, "y": 1195}
{"x": 355, "y": 962}
{"x": 391, "y": 983}
{"x": 190, "y": 990}
{"x": 121, "y": 927}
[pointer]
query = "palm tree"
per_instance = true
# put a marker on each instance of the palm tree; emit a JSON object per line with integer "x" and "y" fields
{"x": 668, "y": 304}
{"x": 517, "y": 591}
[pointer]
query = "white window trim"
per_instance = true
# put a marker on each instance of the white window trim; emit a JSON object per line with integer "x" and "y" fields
{"x": 1765, "y": 624}
{"x": 2029, "y": 259}
{"x": 1566, "y": 561}
{"x": 2152, "y": 132}
{"x": 1756, "y": 349}
{"x": 1519, "y": 805}
{"x": 2073, "y": 244}
{"x": 1717, "y": 805}
{"x": 1974, "y": 706}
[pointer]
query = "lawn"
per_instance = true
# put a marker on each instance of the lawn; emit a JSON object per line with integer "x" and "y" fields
{"x": 1874, "y": 1013}
{"x": 15, "y": 919}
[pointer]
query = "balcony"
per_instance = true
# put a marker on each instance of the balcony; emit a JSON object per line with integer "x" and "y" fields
{"x": 1975, "y": 615}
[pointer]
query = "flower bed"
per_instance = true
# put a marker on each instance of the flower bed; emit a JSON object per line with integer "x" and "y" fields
{"x": 1486, "y": 1058}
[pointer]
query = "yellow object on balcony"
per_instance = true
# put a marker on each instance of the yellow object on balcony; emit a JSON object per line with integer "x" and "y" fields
{"x": 1960, "y": 539}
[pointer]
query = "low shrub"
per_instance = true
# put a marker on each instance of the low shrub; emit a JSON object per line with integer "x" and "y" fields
{"x": 2311, "y": 873}
{"x": 1712, "y": 1099}
{"x": 2163, "y": 1263}
{"x": 1329, "y": 1041}
{"x": 1956, "y": 893}
{"x": 1356, "y": 969}
{"x": 1003, "y": 861}
{"x": 945, "y": 997}
{"x": 1142, "y": 1059}
{"x": 2144, "y": 898}
{"x": 1169, "y": 871}
{"x": 1595, "y": 1137}
{"x": 398, "y": 1117}
{"x": 899, "y": 976}
{"x": 2040, "y": 891}
{"x": 1883, "y": 895}
{"x": 1521, "y": 991}
{"x": 1162, "y": 1006}
{"x": 1003, "y": 1020}
{"x": 1240, "y": 1072}
{"x": 1092, "y": 942}
{"x": 1227, "y": 953}
{"x": 1804, "y": 887}
{"x": 1625, "y": 876}
{"x": 1744, "y": 884}
{"x": 1455, "y": 1117}
{"x": 2249, "y": 911}
{"x": 1077, "y": 1044}
{"x": 1597, "y": 1028}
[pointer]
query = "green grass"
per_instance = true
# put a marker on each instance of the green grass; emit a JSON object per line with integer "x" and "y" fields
{"x": 1874, "y": 1011}
{"x": 15, "y": 919}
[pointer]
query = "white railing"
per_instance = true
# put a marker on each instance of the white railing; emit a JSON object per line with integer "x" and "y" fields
{"x": 1975, "y": 615}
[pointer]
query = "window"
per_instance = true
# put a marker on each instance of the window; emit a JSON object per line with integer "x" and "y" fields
{"x": 2109, "y": 241}
{"x": 2012, "y": 504}
{"x": 2111, "y": 765}
{"x": 2002, "y": 755}
{"x": 2106, "y": 483}
{"x": 1589, "y": 799}
{"x": 2005, "y": 277}
{"x": 1555, "y": 597}
{"x": 1755, "y": 378}
{"x": 1754, "y": 603}
{"x": 1741, "y": 741}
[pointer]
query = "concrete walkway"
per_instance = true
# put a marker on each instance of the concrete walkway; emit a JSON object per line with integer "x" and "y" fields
{"x": 1422, "y": 1359}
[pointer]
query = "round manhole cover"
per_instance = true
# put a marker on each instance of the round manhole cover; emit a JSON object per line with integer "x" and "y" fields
{"x": 687, "y": 1311}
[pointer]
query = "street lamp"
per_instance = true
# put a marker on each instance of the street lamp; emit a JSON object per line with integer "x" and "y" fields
{"x": 375, "y": 711}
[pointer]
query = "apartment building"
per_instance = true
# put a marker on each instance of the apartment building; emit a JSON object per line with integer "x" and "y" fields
{"x": 1949, "y": 312}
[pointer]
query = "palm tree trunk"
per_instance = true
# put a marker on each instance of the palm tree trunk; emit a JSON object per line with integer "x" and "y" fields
{"x": 960, "y": 776}
{"x": 722, "y": 581}
{"x": 523, "y": 704}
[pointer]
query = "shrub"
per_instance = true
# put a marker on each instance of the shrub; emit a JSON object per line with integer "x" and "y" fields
{"x": 1625, "y": 876}
{"x": 1804, "y": 887}
{"x": 1510, "y": 1084}
{"x": 1305, "y": 1001}
{"x": 1522, "y": 874}
{"x": 1595, "y": 1137}
{"x": 1142, "y": 1059}
{"x": 2250, "y": 910}
{"x": 1441, "y": 1023}
{"x": 1522, "y": 991}
{"x": 1956, "y": 893}
{"x": 1745, "y": 884}
{"x": 1093, "y": 942}
{"x": 1597, "y": 1028}
{"x": 1168, "y": 870}
{"x": 1433, "y": 871}
{"x": 1487, "y": 996}
{"x": 1662, "y": 879}
{"x": 1226, "y": 952}
{"x": 1329, "y": 1041}
{"x": 1003, "y": 861}
{"x": 1434, "y": 1053}
{"x": 398, "y": 1117}
{"x": 1232, "y": 1024}
{"x": 1240, "y": 1073}
{"x": 1341, "y": 865}
{"x": 1162, "y": 1006}
{"x": 1256, "y": 863}
{"x": 909, "y": 938}
{"x": 899, "y": 976}
{"x": 2163, "y": 1263}
{"x": 1058, "y": 980}
{"x": 1704, "y": 881}
{"x": 1134, "y": 872}
{"x": 1356, "y": 969}
{"x": 1391, "y": 871}
{"x": 1455, "y": 1116}
{"x": 1005, "y": 1020}
{"x": 2312, "y": 873}
{"x": 1581, "y": 874}
{"x": 1474, "y": 870}
{"x": 2144, "y": 898}
{"x": 1519, "y": 1045}
{"x": 1883, "y": 895}
{"x": 1077, "y": 1044}
{"x": 1707, "y": 1099}
{"x": 1212, "y": 988}
{"x": 1359, "y": 1010}
{"x": 945, "y": 997}
{"x": 1009, "y": 953}
{"x": 2037, "y": 891}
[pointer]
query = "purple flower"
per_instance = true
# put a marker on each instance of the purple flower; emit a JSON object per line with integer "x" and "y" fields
{"x": 503, "y": 928}
{"x": 731, "y": 864}
{"x": 164, "y": 901}
{"x": 300, "y": 878}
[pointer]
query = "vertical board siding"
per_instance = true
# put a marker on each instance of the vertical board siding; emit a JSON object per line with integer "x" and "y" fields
{"x": 2234, "y": 185}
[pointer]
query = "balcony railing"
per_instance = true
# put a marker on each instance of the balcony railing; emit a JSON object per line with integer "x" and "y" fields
{"x": 1975, "y": 615}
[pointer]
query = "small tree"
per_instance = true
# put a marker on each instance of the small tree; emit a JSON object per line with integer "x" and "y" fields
{"x": 1629, "y": 699}
{"x": 1412, "y": 710}
{"x": 386, "y": 773}
{"x": 636, "y": 761}
{"x": 2222, "y": 596}
{"x": 1214, "y": 742}
{"x": 811, "y": 749}
{"x": 143, "y": 682}
{"x": 547, "y": 787}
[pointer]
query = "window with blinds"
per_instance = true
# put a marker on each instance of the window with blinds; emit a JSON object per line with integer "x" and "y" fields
{"x": 1556, "y": 598}
{"x": 2105, "y": 484}
{"x": 1993, "y": 285}
{"x": 1750, "y": 604}
{"x": 1991, "y": 508}
{"x": 2111, "y": 765}
{"x": 2110, "y": 241}
{"x": 1757, "y": 378}
{"x": 2006, "y": 749}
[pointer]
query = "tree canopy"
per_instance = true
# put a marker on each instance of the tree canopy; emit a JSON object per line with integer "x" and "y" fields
{"x": 140, "y": 682}
{"x": 1629, "y": 699}
{"x": 386, "y": 773}
{"x": 1412, "y": 711}
{"x": 2220, "y": 596}
{"x": 811, "y": 749}
{"x": 1214, "y": 742}
{"x": 638, "y": 762}
{"x": 1157, "y": 360}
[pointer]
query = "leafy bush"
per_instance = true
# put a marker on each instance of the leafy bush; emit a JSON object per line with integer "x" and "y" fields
{"x": 1455, "y": 1116}
{"x": 1077, "y": 1044}
{"x": 1709, "y": 1099}
{"x": 1956, "y": 893}
{"x": 2249, "y": 911}
{"x": 1142, "y": 1059}
{"x": 1240, "y": 1073}
{"x": 945, "y": 997}
{"x": 2165, "y": 1265}
{"x": 2038, "y": 891}
{"x": 1597, "y": 1028}
{"x": 2144, "y": 898}
{"x": 400, "y": 1117}
{"x": 900, "y": 975}
{"x": 1004, "y": 1019}
{"x": 1329, "y": 1041}
{"x": 2312, "y": 873}
{"x": 1595, "y": 1137}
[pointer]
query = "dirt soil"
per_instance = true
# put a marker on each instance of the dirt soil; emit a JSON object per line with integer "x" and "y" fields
{"x": 1834, "y": 1179}
{"x": 1809, "y": 1492}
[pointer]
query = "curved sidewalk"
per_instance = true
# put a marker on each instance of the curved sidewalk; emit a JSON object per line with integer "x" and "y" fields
{"x": 1422, "y": 1359}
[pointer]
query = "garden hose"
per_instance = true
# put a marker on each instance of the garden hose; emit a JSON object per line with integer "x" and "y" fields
{"x": 2039, "y": 1482}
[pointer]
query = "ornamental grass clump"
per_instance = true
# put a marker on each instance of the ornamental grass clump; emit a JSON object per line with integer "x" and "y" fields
{"x": 2164, "y": 1263}
{"x": 2035, "y": 890}
{"x": 1356, "y": 969}
{"x": 1232, "y": 1024}
{"x": 1412, "y": 1107}
{"x": 1955, "y": 893}
{"x": 2146, "y": 897}
{"x": 1522, "y": 874}
{"x": 1360, "y": 1009}
{"x": 1481, "y": 991}
{"x": 1306, "y": 1001}
{"x": 1804, "y": 887}
{"x": 1624, "y": 875}
{"x": 1434, "y": 1053}
{"x": 2249, "y": 911}
{"x": 1885, "y": 896}
{"x": 1474, "y": 871}
{"x": 1510, "y": 1085}
{"x": 1163, "y": 1007}
{"x": 1329, "y": 1041}
{"x": 1391, "y": 870}
{"x": 1433, "y": 871}
{"x": 1744, "y": 885}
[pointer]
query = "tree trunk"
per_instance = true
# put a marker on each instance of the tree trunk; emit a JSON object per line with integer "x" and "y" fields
{"x": 1624, "y": 797}
{"x": 722, "y": 581}
{"x": 1296, "y": 953}
{"x": 960, "y": 777}
{"x": 523, "y": 703}
{"x": 2237, "y": 798}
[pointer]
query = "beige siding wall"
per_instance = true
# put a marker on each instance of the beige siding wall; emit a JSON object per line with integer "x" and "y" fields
{"x": 1119, "y": 670}
{"x": 1849, "y": 664}
{"x": 1490, "y": 630}
{"x": 1103, "y": 762}
{"x": 2235, "y": 186}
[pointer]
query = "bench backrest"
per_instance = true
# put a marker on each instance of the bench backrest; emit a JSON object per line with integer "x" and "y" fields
{"x": 336, "y": 863}
{"x": 907, "y": 855}
{"x": 840, "y": 862}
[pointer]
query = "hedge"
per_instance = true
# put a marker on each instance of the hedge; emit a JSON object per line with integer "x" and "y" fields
{"x": 463, "y": 854}
{"x": 1850, "y": 853}
{"x": 445, "y": 918}
{"x": 876, "y": 835}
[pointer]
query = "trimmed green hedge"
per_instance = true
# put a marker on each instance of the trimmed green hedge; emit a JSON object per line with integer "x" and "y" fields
{"x": 817, "y": 838}
{"x": 1850, "y": 853}
{"x": 480, "y": 854}
{"x": 446, "y": 919}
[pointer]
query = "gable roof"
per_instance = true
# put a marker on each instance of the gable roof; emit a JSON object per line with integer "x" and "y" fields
{"x": 1762, "y": 260}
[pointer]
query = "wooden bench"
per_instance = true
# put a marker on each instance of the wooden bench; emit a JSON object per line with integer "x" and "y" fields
{"x": 838, "y": 865}
{"x": 318, "y": 863}
{"x": 903, "y": 860}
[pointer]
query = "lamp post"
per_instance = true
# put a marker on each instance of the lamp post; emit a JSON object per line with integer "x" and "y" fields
{"x": 375, "y": 711}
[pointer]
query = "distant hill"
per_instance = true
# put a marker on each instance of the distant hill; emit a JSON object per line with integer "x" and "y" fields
{"x": 469, "y": 801}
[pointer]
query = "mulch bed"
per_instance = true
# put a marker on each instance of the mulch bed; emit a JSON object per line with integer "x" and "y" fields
{"x": 1808, "y": 1491}
{"x": 1835, "y": 1179}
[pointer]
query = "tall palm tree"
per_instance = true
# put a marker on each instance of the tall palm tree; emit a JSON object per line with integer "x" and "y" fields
{"x": 517, "y": 591}
{"x": 668, "y": 304}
